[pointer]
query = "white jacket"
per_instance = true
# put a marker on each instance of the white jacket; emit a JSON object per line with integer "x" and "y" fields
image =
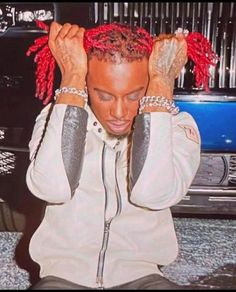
{"x": 100, "y": 233}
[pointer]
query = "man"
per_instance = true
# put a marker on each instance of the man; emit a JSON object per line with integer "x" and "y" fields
{"x": 109, "y": 170}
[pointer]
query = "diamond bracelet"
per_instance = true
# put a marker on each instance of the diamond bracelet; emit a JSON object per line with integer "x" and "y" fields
{"x": 158, "y": 101}
{"x": 72, "y": 90}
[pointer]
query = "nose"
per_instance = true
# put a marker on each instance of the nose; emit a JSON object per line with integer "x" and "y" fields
{"x": 119, "y": 109}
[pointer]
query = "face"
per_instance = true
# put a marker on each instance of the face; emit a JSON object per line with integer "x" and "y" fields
{"x": 114, "y": 92}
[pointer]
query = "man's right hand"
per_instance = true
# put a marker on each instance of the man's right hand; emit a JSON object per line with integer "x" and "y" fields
{"x": 66, "y": 45}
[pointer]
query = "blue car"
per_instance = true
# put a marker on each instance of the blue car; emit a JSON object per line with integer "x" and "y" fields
{"x": 213, "y": 190}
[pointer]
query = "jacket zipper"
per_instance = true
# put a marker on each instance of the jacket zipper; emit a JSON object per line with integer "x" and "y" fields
{"x": 102, "y": 254}
{"x": 118, "y": 195}
{"x": 107, "y": 223}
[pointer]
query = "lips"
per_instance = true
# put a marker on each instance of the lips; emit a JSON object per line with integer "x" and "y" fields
{"x": 118, "y": 126}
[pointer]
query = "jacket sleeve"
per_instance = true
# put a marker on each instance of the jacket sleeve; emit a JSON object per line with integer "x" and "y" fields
{"x": 58, "y": 140}
{"x": 165, "y": 156}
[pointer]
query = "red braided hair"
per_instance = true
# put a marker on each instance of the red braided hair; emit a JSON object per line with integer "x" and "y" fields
{"x": 117, "y": 42}
{"x": 45, "y": 65}
{"x": 200, "y": 52}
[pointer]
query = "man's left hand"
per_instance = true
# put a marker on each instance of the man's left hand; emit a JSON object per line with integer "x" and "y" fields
{"x": 168, "y": 57}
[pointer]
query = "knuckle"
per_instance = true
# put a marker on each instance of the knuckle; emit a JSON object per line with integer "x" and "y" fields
{"x": 53, "y": 24}
{"x": 74, "y": 26}
{"x": 81, "y": 29}
{"x": 59, "y": 38}
{"x": 67, "y": 24}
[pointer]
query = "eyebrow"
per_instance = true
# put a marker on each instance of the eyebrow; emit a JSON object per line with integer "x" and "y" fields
{"x": 133, "y": 91}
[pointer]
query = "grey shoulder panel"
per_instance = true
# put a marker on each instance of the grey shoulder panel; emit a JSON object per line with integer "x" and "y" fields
{"x": 73, "y": 143}
{"x": 139, "y": 148}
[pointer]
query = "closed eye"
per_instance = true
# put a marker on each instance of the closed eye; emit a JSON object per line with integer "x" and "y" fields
{"x": 105, "y": 97}
{"x": 134, "y": 96}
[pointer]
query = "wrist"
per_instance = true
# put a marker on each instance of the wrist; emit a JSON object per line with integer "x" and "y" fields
{"x": 75, "y": 80}
{"x": 161, "y": 87}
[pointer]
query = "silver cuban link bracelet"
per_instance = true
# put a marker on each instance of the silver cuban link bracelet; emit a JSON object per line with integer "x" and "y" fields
{"x": 158, "y": 101}
{"x": 72, "y": 90}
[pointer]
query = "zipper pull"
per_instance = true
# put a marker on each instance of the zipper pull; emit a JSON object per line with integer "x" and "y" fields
{"x": 99, "y": 281}
{"x": 107, "y": 226}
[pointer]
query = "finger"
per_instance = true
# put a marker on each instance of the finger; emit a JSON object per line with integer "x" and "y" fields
{"x": 54, "y": 30}
{"x": 181, "y": 60}
{"x": 183, "y": 46}
{"x": 80, "y": 35}
{"x": 157, "y": 43}
{"x": 171, "y": 48}
{"x": 73, "y": 31}
{"x": 180, "y": 36}
{"x": 63, "y": 32}
{"x": 163, "y": 36}
{"x": 165, "y": 45}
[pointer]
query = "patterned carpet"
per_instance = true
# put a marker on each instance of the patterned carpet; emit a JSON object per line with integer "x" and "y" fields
{"x": 207, "y": 257}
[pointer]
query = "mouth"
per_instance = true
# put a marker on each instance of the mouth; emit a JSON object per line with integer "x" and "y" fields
{"x": 118, "y": 127}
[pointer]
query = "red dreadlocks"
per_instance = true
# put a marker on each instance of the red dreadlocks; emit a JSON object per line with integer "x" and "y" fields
{"x": 117, "y": 42}
{"x": 200, "y": 52}
{"x": 45, "y": 65}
